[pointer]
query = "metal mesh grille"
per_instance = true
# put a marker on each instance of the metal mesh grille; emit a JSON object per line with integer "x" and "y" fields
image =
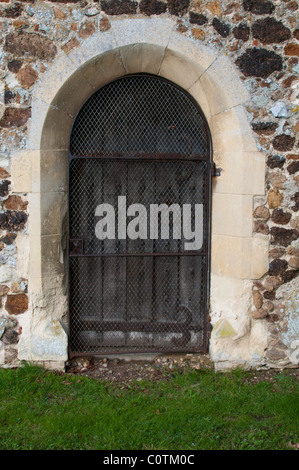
{"x": 94, "y": 181}
{"x": 137, "y": 303}
{"x": 139, "y": 114}
{"x": 142, "y": 138}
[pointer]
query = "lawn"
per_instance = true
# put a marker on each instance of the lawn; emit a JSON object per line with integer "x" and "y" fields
{"x": 187, "y": 411}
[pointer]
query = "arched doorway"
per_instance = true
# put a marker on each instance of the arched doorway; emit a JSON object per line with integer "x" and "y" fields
{"x": 237, "y": 255}
{"x": 140, "y": 153}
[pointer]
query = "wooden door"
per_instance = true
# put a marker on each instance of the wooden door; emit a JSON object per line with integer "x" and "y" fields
{"x": 142, "y": 138}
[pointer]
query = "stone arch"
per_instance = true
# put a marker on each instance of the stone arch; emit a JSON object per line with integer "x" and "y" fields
{"x": 153, "y": 46}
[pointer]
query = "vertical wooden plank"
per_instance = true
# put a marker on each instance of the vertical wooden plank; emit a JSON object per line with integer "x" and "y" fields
{"x": 201, "y": 281}
{"x": 79, "y": 179}
{"x": 139, "y": 269}
{"x": 191, "y": 268}
{"x": 114, "y": 268}
{"x": 166, "y": 268}
{"x": 80, "y": 304}
{"x": 187, "y": 179}
{"x": 95, "y": 176}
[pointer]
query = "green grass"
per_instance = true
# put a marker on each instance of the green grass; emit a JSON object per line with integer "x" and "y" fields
{"x": 192, "y": 410}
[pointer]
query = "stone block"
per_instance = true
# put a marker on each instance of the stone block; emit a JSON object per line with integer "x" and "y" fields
{"x": 197, "y": 53}
{"x": 231, "y": 132}
{"x": 56, "y": 130}
{"x": 39, "y": 112}
{"x": 72, "y": 94}
{"x": 198, "y": 93}
{"x": 54, "y": 171}
{"x": 52, "y": 256}
{"x": 145, "y": 58}
{"x": 174, "y": 66}
{"x": 223, "y": 86}
{"x": 231, "y": 299}
{"x": 232, "y": 215}
{"x": 53, "y": 213}
{"x": 242, "y": 173}
{"x": 104, "y": 68}
{"x": 49, "y": 342}
{"x": 231, "y": 256}
{"x": 21, "y": 171}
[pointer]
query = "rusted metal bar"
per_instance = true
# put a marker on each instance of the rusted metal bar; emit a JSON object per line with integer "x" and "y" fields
{"x": 141, "y": 156}
{"x": 129, "y": 255}
{"x": 146, "y": 327}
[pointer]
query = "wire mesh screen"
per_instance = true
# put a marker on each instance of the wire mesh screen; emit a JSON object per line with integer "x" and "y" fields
{"x": 170, "y": 183}
{"x": 128, "y": 304}
{"x": 138, "y": 145}
{"x": 139, "y": 114}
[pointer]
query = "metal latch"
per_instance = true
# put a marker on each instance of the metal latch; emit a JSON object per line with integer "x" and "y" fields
{"x": 215, "y": 171}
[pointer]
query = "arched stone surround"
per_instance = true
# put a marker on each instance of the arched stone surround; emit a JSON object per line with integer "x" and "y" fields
{"x": 238, "y": 257}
